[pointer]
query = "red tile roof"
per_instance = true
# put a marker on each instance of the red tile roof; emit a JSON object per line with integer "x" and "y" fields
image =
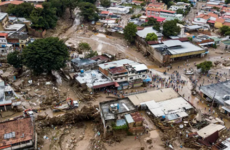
{"x": 168, "y": 11}
{"x": 4, "y": 34}
{"x": 213, "y": 15}
{"x": 221, "y": 20}
{"x": 153, "y": 42}
{"x": 23, "y": 131}
{"x": 38, "y": 6}
{"x": 226, "y": 24}
{"x": 11, "y": 2}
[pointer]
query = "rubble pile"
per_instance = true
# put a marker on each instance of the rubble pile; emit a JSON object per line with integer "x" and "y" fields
{"x": 86, "y": 113}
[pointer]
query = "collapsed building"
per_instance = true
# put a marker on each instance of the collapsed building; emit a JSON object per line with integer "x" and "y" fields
{"x": 18, "y": 134}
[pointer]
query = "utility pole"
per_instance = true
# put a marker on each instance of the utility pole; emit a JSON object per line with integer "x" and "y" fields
{"x": 213, "y": 100}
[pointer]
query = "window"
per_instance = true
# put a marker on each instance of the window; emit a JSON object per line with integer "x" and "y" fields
{"x": 121, "y": 77}
{"x": 131, "y": 78}
{"x": 143, "y": 75}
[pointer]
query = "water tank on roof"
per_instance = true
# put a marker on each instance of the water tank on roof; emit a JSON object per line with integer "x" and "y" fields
{"x": 82, "y": 70}
{"x": 3, "y": 46}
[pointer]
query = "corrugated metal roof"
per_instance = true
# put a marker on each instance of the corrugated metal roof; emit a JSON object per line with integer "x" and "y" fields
{"x": 209, "y": 130}
{"x": 186, "y": 47}
{"x": 143, "y": 33}
{"x": 140, "y": 67}
{"x": 129, "y": 118}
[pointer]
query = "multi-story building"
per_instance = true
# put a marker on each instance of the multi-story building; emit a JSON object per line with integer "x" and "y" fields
{"x": 167, "y": 14}
{"x": 4, "y": 47}
{"x": 125, "y": 72}
{"x": 179, "y": 5}
{"x": 157, "y": 6}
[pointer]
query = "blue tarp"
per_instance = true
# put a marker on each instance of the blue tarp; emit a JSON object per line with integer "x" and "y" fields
{"x": 120, "y": 122}
{"x": 148, "y": 79}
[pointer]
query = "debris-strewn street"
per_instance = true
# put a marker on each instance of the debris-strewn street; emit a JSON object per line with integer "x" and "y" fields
{"x": 112, "y": 75}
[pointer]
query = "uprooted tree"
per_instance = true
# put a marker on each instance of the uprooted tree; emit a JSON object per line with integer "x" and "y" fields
{"x": 44, "y": 55}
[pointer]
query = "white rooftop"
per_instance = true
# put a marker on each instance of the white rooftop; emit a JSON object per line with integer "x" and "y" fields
{"x": 171, "y": 43}
{"x": 2, "y": 15}
{"x": 15, "y": 27}
{"x": 140, "y": 67}
{"x": 117, "y": 63}
{"x": 143, "y": 33}
{"x": 157, "y": 96}
{"x": 92, "y": 78}
{"x": 209, "y": 130}
{"x": 168, "y": 108}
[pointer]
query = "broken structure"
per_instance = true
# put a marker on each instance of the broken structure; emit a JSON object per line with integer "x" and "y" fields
{"x": 17, "y": 134}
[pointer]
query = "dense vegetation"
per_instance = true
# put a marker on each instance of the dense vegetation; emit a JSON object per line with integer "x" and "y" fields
{"x": 205, "y": 66}
{"x": 170, "y": 28}
{"x": 46, "y": 17}
{"x": 130, "y": 32}
{"x": 44, "y": 55}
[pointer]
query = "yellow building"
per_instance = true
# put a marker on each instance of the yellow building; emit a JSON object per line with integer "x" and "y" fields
{"x": 219, "y": 23}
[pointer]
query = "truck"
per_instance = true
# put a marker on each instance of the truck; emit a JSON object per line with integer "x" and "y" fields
{"x": 67, "y": 104}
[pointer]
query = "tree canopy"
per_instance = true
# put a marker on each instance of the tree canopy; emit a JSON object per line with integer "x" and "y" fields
{"x": 205, "y": 66}
{"x": 130, "y": 32}
{"x": 152, "y": 22}
{"x": 15, "y": 59}
{"x": 180, "y": 11}
{"x": 44, "y": 55}
{"x": 151, "y": 37}
{"x": 88, "y": 11}
{"x": 227, "y": 1}
{"x": 21, "y": 10}
{"x": 105, "y": 3}
{"x": 44, "y": 18}
{"x": 224, "y": 30}
{"x": 84, "y": 47}
{"x": 170, "y": 28}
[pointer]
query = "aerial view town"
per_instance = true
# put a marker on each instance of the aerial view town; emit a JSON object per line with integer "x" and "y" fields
{"x": 115, "y": 75}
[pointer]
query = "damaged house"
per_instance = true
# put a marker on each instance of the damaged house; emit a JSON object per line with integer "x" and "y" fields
{"x": 7, "y": 96}
{"x": 116, "y": 114}
{"x": 17, "y": 135}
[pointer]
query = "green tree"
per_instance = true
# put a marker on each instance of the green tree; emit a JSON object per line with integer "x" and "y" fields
{"x": 180, "y": 11}
{"x": 227, "y": 33}
{"x": 88, "y": 11}
{"x": 133, "y": 16}
{"x": 151, "y": 37}
{"x": 227, "y": 1}
{"x": 170, "y": 28}
{"x": 130, "y": 32}
{"x": 205, "y": 66}
{"x": 15, "y": 59}
{"x": 143, "y": 4}
{"x": 72, "y": 4}
{"x": 44, "y": 18}
{"x": 44, "y": 55}
{"x": 91, "y": 54}
{"x": 21, "y": 10}
{"x": 84, "y": 47}
{"x": 152, "y": 22}
{"x": 224, "y": 29}
{"x": 105, "y": 3}
{"x": 90, "y": 1}
{"x": 60, "y": 6}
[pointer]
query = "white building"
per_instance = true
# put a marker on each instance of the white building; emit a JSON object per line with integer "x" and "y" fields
{"x": 143, "y": 33}
{"x": 179, "y": 5}
{"x": 124, "y": 70}
{"x": 119, "y": 10}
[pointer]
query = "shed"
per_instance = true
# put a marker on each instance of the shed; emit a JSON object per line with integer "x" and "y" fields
{"x": 129, "y": 120}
